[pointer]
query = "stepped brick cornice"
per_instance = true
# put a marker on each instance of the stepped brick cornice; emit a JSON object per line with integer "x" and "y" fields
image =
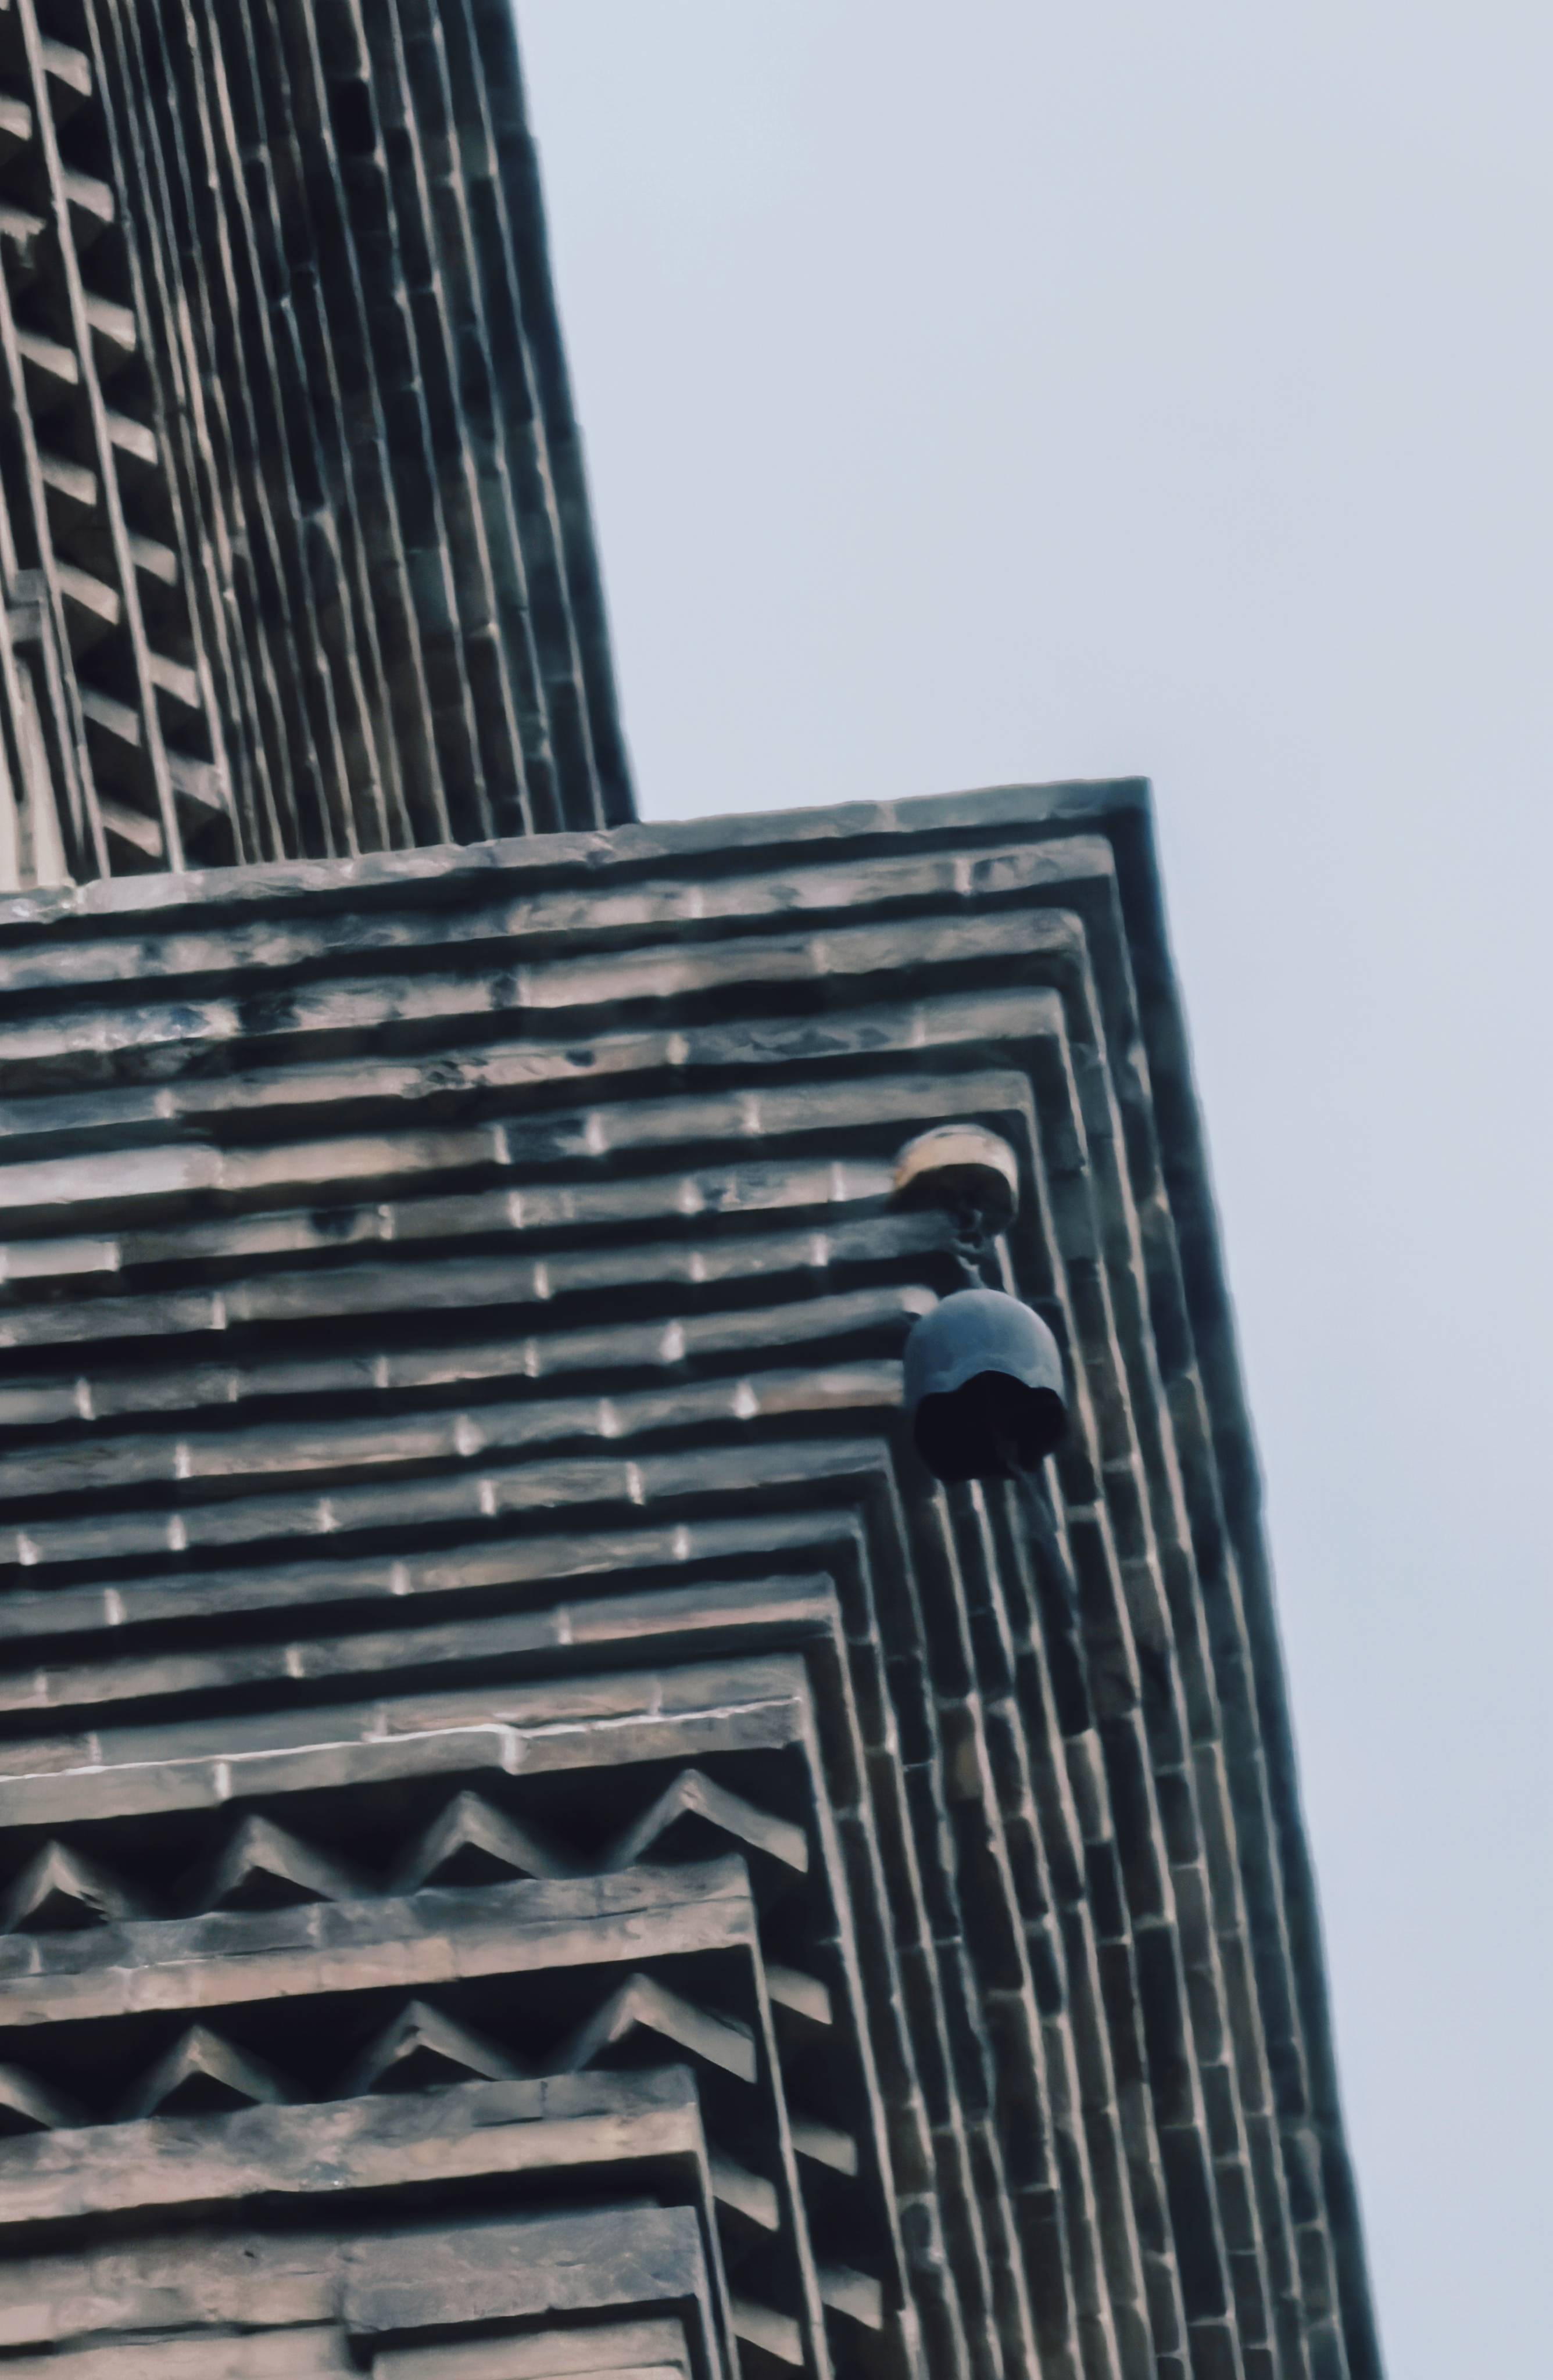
{"x": 529, "y": 1818}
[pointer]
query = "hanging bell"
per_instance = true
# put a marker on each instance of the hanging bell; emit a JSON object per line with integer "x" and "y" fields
{"x": 983, "y": 1387}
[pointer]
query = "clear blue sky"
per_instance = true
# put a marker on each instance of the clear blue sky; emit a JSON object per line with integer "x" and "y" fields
{"x": 1016, "y": 391}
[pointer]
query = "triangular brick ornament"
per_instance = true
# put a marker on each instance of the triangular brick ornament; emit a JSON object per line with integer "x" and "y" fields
{"x": 804, "y": 1995}
{"x": 473, "y": 1843}
{"x": 749, "y": 2194}
{"x": 423, "y": 2050}
{"x": 28, "y": 2106}
{"x": 823, "y": 2144}
{"x": 203, "y": 2074}
{"x": 264, "y": 1867}
{"x": 762, "y": 2326}
{"x": 857, "y": 2295}
{"x": 60, "y": 1892}
{"x": 695, "y": 1797}
{"x": 641, "y": 2002}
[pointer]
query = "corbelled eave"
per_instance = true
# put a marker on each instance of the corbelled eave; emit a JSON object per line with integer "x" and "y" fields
{"x": 773, "y": 954}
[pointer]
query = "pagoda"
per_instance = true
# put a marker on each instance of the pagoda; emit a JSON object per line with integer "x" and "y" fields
{"x": 543, "y": 1830}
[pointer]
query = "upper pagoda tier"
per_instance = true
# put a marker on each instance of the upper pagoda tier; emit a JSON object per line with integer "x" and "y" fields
{"x": 294, "y": 537}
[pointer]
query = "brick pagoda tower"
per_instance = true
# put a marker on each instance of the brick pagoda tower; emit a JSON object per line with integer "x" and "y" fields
{"x": 536, "y": 1837}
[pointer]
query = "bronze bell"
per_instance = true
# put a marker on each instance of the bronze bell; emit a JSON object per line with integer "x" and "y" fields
{"x": 983, "y": 1387}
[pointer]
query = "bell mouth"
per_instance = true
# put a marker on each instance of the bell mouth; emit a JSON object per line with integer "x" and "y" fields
{"x": 989, "y": 1428}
